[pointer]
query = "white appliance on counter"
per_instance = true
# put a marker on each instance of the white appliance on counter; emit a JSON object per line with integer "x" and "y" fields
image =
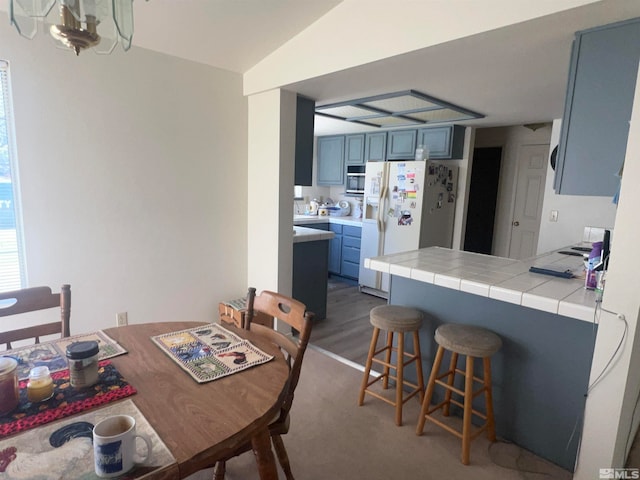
{"x": 406, "y": 206}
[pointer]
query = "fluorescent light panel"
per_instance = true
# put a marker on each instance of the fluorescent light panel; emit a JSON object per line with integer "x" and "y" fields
{"x": 397, "y": 109}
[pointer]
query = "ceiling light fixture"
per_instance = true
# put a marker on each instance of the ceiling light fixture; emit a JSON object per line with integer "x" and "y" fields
{"x": 77, "y": 24}
{"x": 399, "y": 109}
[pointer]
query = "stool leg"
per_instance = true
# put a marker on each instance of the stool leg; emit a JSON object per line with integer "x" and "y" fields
{"x": 418, "y": 355}
{"x": 466, "y": 420}
{"x": 399, "y": 378}
{"x": 367, "y": 368}
{"x": 387, "y": 359}
{"x": 450, "y": 379}
{"x": 430, "y": 387}
{"x": 488, "y": 399}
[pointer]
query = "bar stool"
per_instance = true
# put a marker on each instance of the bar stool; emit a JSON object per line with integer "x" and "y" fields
{"x": 473, "y": 342}
{"x": 401, "y": 320}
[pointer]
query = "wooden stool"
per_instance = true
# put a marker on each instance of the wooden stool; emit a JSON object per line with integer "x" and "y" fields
{"x": 474, "y": 342}
{"x": 394, "y": 319}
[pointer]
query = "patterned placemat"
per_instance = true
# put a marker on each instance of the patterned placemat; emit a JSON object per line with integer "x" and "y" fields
{"x": 210, "y": 352}
{"x": 64, "y": 449}
{"x": 66, "y": 400}
{"x": 53, "y": 354}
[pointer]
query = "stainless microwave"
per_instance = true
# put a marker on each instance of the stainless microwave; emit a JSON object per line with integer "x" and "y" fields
{"x": 355, "y": 180}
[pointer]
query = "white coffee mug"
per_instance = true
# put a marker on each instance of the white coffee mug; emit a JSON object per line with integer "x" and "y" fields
{"x": 114, "y": 446}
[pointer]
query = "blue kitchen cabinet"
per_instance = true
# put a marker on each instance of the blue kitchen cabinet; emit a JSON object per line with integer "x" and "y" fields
{"x": 375, "y": 147}
{"x": 354, "y": 149}
{"x": 335, "y": 249}
{"x": 350, "y": 263}
{"x": 305, "y": 114}
{"x": 309, "y": 278}
{"x": 330, "y": 160}
{"x": 444, "y": 143}
{"x": 401, "y": 144}
{"x": 595, "y": 126}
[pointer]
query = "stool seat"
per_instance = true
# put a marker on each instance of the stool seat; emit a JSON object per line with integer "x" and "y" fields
{"x": 468, "y": 340}
{"x": 395, "y": 318}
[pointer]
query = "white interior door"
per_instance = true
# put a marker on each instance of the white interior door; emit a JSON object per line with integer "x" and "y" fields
{"x": 527, "y": 211}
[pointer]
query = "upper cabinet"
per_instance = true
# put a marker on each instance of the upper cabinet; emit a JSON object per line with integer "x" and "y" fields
{"x": 375, "y": 147}
{"x": 444, "y": 143}
{"x": 401, "y": 145}
{"x": 304, "y": 141}
{"x": 600, "y": 92}
{"x": 331, "y": 160}
{"x": 354, "y": 149}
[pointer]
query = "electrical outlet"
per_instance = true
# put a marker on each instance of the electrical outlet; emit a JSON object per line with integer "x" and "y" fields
{"x": 554, "y": 216}
{"x": 122, "y": 319}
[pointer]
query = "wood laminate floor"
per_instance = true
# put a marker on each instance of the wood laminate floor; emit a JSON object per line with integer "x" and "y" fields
{"x": 346, "y": 330}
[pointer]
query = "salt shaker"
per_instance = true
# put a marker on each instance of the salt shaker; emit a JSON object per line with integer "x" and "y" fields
{"x": 9, "y": 391}
{"x": 83, "y": 363}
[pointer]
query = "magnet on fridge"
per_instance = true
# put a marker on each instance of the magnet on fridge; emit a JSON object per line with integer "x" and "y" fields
{"x": 412, "y": 205}
{"x": 452, "y": 198}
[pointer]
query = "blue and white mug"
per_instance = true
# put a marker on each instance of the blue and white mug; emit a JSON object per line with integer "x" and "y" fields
{"x": 114, "y": 446}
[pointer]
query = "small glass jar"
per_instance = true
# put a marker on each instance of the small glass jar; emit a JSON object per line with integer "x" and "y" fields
{"x": 40, "y": 384}
{"x": 9, "y": 391}
{"x": 83, "y": 363}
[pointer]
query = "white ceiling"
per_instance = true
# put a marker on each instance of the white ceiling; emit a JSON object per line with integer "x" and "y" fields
{"x": 512, "y": 75}
{"x": 230, "y": 34}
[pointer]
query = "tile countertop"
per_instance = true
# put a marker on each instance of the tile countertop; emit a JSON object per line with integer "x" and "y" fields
{"x": 503, "y": 279}
{"x": 304, "y": 234}
{"x": 307, "y": 219}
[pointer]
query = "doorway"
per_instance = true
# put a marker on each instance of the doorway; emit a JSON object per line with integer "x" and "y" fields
{"x": 483, "y": 195}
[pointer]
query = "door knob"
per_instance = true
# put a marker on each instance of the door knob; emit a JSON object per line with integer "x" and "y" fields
{"x": 516, "y": 223}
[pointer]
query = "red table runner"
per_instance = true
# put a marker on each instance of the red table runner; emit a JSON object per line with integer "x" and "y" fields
{"x": 66, "y": 400}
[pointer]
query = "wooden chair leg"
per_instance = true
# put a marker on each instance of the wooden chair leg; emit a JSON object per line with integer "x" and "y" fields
{"x": 219, "y": 470}
{"x": 429, "y": 393}
{"x": 450, "y": 379}
{"x": 418, "y": 355}
{"x": 367, "y": 368}
{"x": 387, "y": 359}
{"x": 488, "y": 398}
{"x": 283, "y": 458}
{"x": 399, "y": 378}
{"x": 466, "y": 420}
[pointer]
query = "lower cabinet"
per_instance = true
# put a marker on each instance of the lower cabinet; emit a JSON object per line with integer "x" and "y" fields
{"x": 344, "y": 251}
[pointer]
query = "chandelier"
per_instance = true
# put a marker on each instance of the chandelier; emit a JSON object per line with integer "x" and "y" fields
{"x": 77, "y": 24}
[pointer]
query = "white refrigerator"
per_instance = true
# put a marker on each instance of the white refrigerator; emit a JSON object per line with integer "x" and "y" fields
{"x": 406, "y": 206}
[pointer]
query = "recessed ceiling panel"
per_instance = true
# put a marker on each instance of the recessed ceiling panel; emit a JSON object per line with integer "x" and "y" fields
{"x": 398, "y": 109}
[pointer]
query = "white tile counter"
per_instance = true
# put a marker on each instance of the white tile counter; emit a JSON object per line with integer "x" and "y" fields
{"x": 310, "y": 219}
{"x": 498, "y": 278}
{"x": 304, "y": 234}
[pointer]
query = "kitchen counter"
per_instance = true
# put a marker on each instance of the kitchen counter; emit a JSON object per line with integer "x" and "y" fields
{"x": 540, "y": 376}
{"x": 304, "y": 234}
{"x": 503, "y": 279}
{"x": 310, "y": 219}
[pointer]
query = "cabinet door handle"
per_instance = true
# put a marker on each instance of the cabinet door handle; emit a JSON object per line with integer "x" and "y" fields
{"x": 516, "y": 223}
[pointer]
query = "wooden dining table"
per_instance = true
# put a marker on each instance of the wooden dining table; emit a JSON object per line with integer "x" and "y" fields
{"x": 201, "y": 423}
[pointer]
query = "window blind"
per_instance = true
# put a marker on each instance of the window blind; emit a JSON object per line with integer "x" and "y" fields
{"x": 12, "y": 265}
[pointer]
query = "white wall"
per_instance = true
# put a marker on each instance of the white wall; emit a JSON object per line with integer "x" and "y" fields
{"x": 574, "y": 211}
{"x": 132, "y": 169}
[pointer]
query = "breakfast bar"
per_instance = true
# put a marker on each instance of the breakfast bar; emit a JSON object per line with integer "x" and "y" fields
{"x": 546, "y": 323}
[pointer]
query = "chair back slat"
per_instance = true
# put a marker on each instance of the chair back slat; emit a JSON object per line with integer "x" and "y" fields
{"x": 31, "y": 300}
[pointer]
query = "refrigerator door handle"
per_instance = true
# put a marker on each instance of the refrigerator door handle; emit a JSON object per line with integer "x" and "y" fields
{"x": 381, "y": 203}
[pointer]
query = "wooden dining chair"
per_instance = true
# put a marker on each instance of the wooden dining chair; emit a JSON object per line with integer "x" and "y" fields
{"x": 294, "y": 314}
{"x": 30, "y": 300}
